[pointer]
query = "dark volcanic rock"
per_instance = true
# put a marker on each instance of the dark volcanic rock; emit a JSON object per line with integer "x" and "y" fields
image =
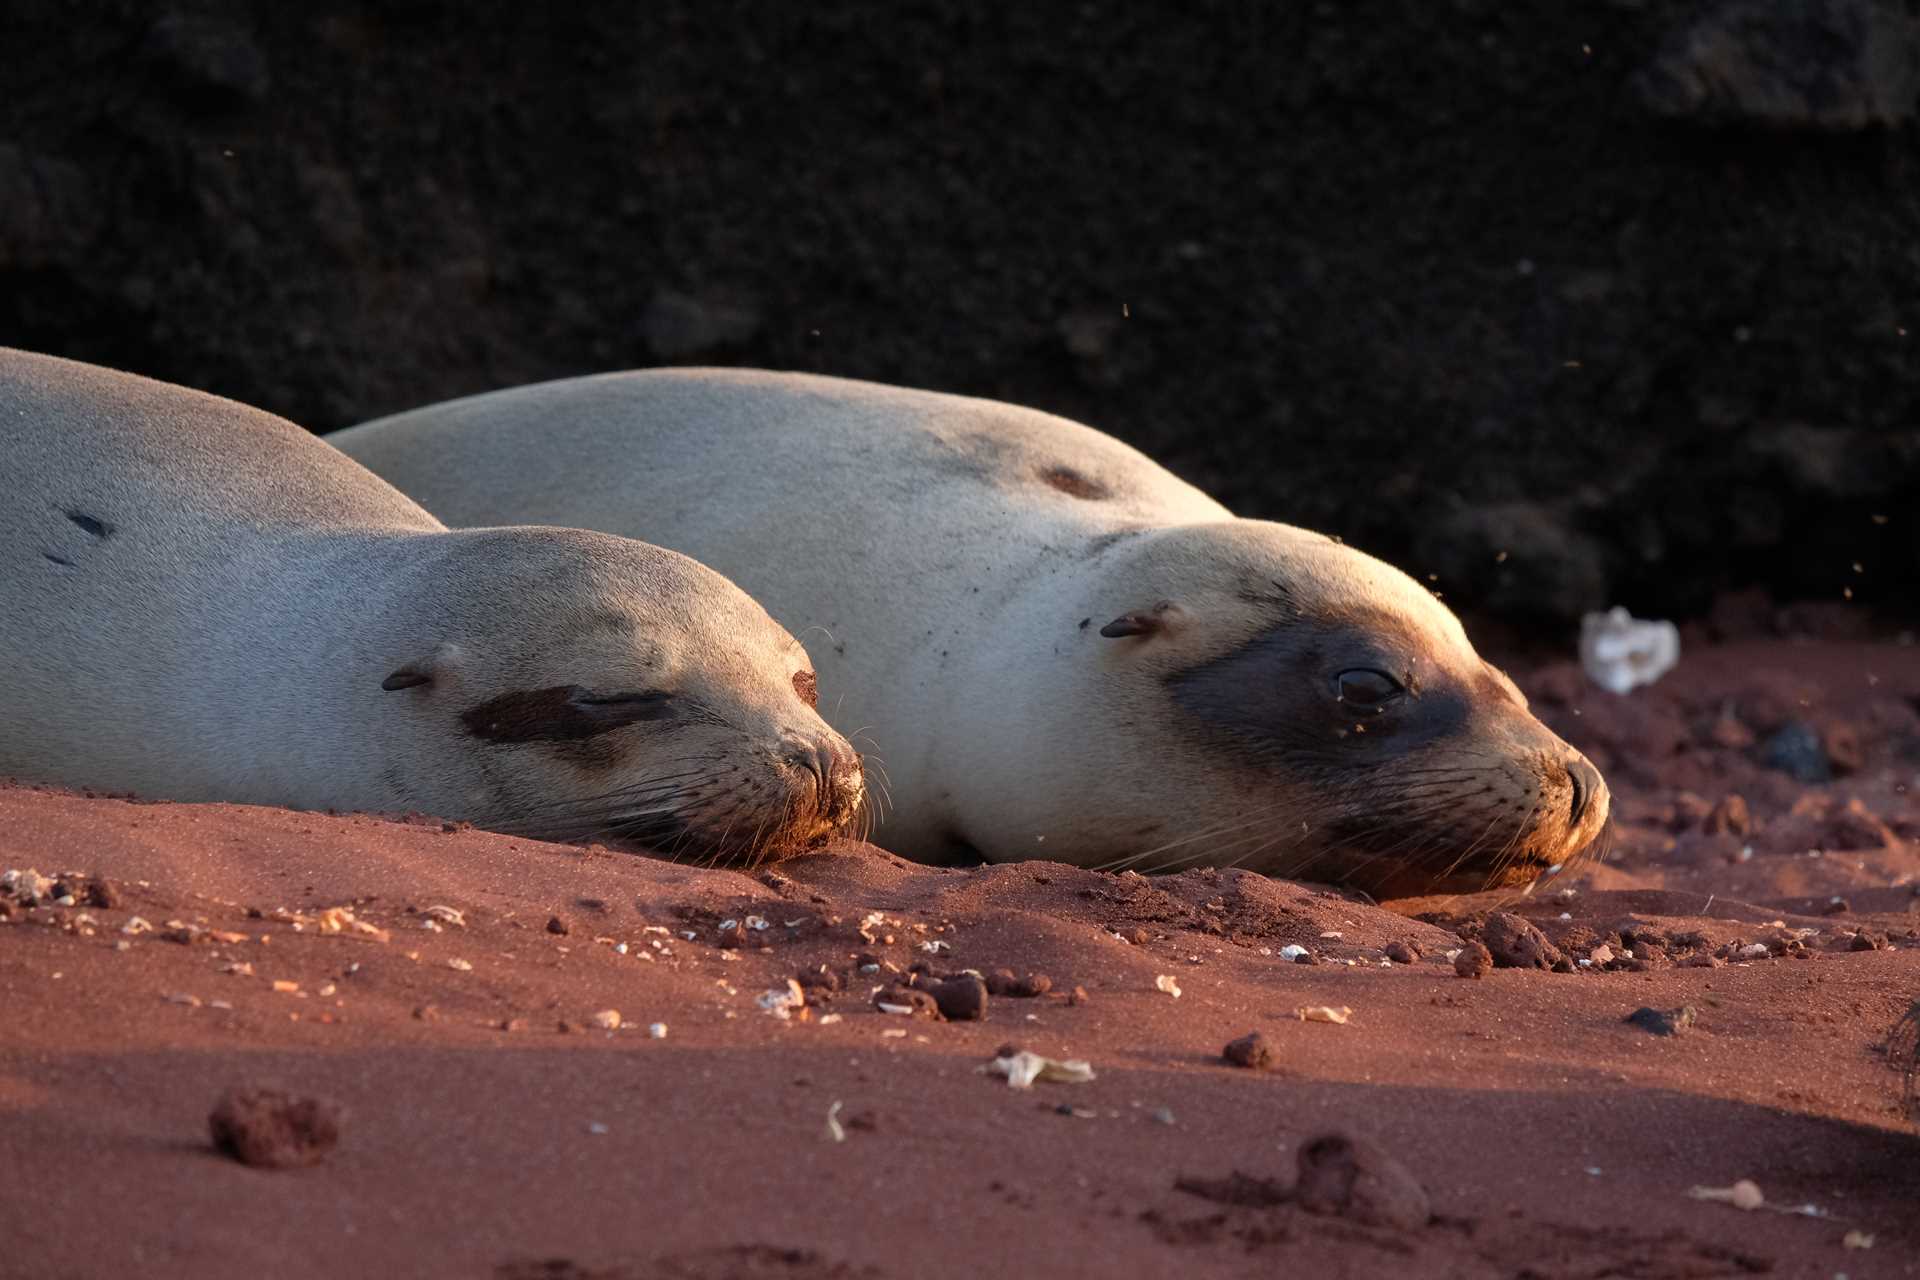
{"x": 1516, "y": 944}
{"x": 275, "y": 1130}
{"x": 1790, "y": 64}
{"x": 1529, "y": 403}
{"x": 1356, "y": 1179}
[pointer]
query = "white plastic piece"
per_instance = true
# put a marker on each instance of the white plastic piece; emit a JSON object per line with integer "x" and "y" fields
{"x": 1620, "y": 653}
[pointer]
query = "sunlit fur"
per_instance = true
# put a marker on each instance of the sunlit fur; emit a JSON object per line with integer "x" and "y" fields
{"x": 202, "y": 602}
{"x": 953, "y": 561}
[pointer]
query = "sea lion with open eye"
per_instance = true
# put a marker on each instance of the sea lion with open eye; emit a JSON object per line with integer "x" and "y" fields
{"x": 1058, "y": 649}
{"x": 200, "y": 601}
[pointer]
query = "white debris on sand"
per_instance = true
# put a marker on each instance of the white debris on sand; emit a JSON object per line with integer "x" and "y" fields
{"x": 1022, "y": 1068}
{"x": 1620, "y": 652}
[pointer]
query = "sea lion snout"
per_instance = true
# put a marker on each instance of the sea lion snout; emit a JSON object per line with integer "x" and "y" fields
{"x": 831, "y": 776}
{"x": 1591, "y": 800}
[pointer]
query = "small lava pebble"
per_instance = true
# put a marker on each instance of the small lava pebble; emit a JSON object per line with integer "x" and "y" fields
{"x": 1306, "y": 957}
{"x": 1352, "y": 1178}
{"x": 1139, "y": 937}
{"x": 102, "y": 894}
{"x": 1250, "y": 1051}
{"x": 556, "y": 924}
{"x": 1730, "y": 817}
{"x": 1474, "y": 960}
{"x": 1034, "y": 984}
{"x": 1402, "y": 953}
{"x": 961, "y": 998}
{"x": 1078, "y": 996}
{"x": 1515, "y": 944}
{"x": 1795, "y": 750}
{"x": 1663, "y": 1022}
{"x": 1865, "y": 941}
{"x": 274, "y": 1130}
{"x": 922, "y": 1003}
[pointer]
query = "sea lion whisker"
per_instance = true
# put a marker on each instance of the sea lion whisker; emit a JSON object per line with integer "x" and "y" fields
{"x": 1127, "y": 860}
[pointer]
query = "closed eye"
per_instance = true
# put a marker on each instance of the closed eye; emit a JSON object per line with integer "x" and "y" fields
{"x": 563, "y": 713}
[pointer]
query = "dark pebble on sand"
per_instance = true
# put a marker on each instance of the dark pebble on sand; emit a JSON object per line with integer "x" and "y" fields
{"x": 821, "y": 979}
{"x": 1139, "y": 937}
{"x": 1307, "y": 957}
{"x": 1842, "y": 745}
{"x": 557, "y": 925}
{"x": 866, "y": 960}
{"x": 274, "y": 1130}
{"x": 1078, "y": 996}
{"x": 101, "y": 893}
{"x": 1795, "y": 750}
{"x": 1473, "y": 960}
{"x": 1250, "y": 1051}
{"x": 1003, "y": 982}
{"x": 1352, "y": 1178}
{"x": 961, "y": 998}
{"x": 1865, "y": 941}
{"x": 1836, "y": 907}
{"x": 1730, "y": 817}
{"x": 922, "y": 1003}
{"x": 1402, "y": 953}
{"x": 1663, "y": 1022}
{"x": 1516, "y": 944}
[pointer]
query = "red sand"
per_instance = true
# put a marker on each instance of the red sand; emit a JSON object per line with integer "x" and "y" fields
{"x": 483, "y": 1140}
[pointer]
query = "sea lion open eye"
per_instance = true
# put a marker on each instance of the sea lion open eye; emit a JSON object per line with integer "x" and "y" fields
{"x": 1364, "y": 689}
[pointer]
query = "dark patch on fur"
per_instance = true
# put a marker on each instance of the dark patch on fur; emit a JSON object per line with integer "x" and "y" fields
{"x": 1074, "y": 484}
{"x": 563, "y": 713}
{"x": 1273, "y": 698}
{"x": 808, "y": 687}
{"x": 92, "y": 524}
{"x": 1097, "y": 545}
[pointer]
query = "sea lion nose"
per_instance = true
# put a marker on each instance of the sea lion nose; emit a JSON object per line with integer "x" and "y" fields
{"x": 839, "y": 783}
{"x": 1589, "y": 791}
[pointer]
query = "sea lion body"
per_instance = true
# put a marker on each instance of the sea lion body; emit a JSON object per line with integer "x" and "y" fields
{"x": 1057, "y": 648}
{"x": 200, "y": 601}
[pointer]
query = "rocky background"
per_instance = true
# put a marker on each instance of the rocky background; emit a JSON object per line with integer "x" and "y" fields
{"x": 1566, "y": 305}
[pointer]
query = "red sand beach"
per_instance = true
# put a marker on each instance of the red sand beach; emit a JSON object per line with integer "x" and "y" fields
{"x": 490, "y": 1126}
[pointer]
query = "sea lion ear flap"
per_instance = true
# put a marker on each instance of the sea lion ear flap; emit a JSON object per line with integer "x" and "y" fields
{"x": 424, "y": 671}
{"x": 1145, "y": 622}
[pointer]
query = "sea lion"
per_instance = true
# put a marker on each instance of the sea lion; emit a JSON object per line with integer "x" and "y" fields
{"x": 201, "y": 601}
{"x": 1058, "y": 649}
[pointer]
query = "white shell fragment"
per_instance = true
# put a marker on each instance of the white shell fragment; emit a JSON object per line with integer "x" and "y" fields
{"x": 1166, "y": 983}
{"x": 835, "y": 1130}
{"x": 1324, "y": 1013}
{"x": 1023, "y": 1068}
{"x": 1741, "y": 1195}
{"x": 1621, "y": 653}
{"x": 1292, "y": 951}
{"x": 607, "y": 1019}
{"x": 781, "y": 1000}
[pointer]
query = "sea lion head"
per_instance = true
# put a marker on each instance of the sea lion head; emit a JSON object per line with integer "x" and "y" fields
{"x": 585, "y": 685}
{"x": 1269, "y": 698}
